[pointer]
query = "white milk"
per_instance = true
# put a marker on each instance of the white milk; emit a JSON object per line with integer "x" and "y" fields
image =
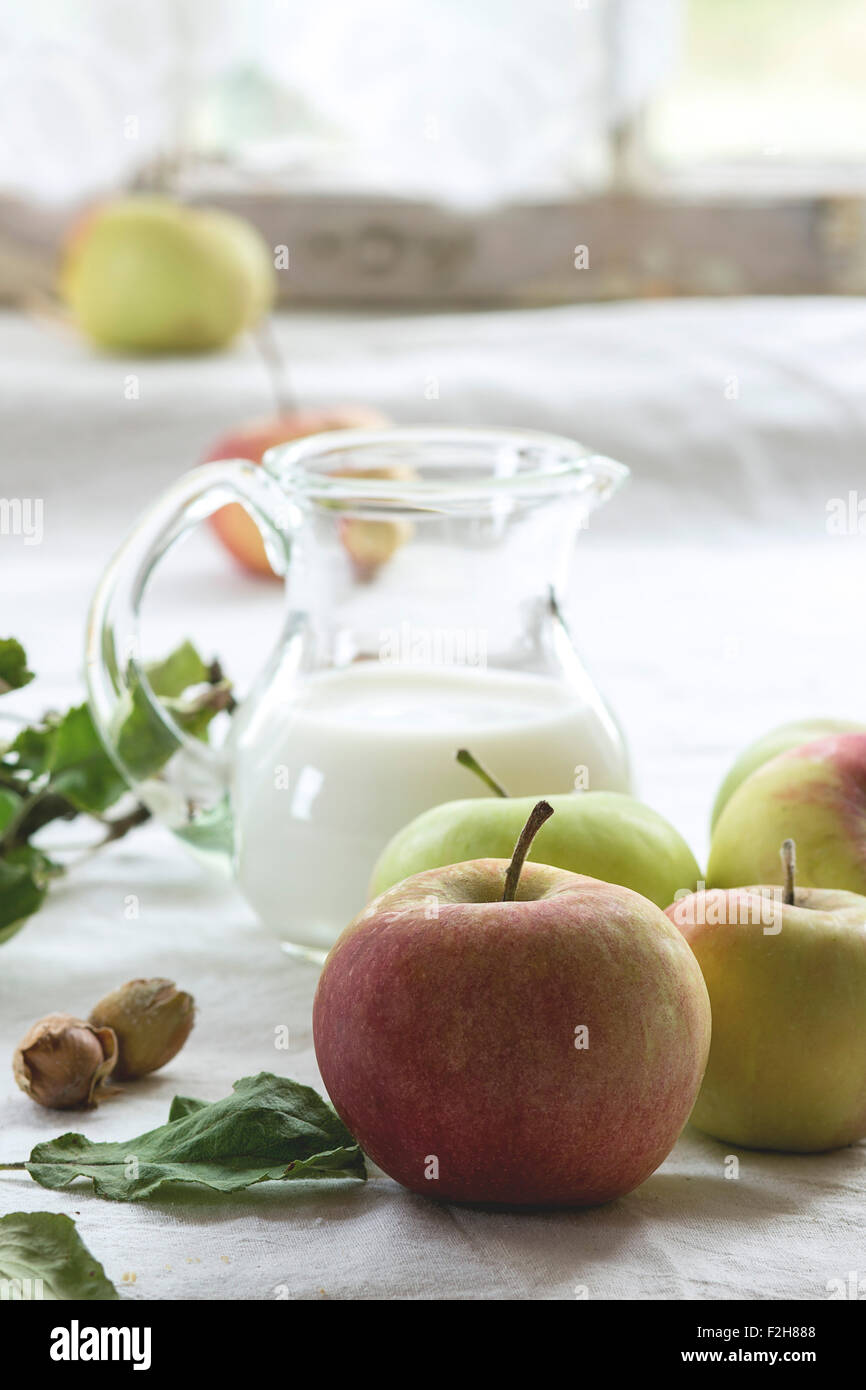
{"x": 322, "y": 785}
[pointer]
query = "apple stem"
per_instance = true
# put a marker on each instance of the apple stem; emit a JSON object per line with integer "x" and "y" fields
{"x": 541, "y": 811}
{"x": 269, "y": 351}
{"x": 789, "y": 864}
{"x": 466, "y": 759}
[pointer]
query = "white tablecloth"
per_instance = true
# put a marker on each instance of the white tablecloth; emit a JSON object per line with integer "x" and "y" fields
{"x": 710, "y": 602}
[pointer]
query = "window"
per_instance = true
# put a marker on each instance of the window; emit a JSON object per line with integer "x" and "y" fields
{"x": 465, "y": 151}
{"x": 766, "y": 82}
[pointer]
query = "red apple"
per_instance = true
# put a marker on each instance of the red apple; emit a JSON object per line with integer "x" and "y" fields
{"x": 544, "y": 1051}
{"x": 233, "y": 525}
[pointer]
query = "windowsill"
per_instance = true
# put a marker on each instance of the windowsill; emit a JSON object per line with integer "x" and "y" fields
{"x": 730, "y": 229}
{"x": 761, "y": 180}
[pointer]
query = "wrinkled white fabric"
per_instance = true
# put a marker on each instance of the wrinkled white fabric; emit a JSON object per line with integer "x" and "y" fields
{"x": 710, "y": 602}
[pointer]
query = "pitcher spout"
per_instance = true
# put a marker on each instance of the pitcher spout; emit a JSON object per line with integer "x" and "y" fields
{"x": 605, "y": 477}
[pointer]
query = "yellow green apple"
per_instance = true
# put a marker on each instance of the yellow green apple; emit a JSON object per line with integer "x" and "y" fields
{"x": 605, "y": 835}
{"x": 815, "y": 794}
{"x": 787, "y": 987}
{"x": 146, "y": 274}
{"x": 769, "y": 745}
{"x": 252, "y": 254}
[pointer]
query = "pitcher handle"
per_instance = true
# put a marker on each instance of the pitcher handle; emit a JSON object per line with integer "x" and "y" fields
{"x": 114, "y": 668}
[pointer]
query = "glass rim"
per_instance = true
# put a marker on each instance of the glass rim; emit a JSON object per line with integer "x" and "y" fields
{"x": 564, "y": 464}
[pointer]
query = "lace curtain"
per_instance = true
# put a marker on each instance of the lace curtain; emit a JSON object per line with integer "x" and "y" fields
{"x": 469, "y": 101}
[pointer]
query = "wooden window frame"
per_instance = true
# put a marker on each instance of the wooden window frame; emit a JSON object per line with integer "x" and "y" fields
{"x": 736, "y": 231}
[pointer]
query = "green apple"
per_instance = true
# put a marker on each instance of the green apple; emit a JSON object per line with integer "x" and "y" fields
{"x": 253, "y": 255}
{"x": 814, "y": 794}
{"x": 606, "y": 835}
{"x": 510, "y": 1034}
{"x": 145, "y": 274}
{"x": 787, "y": 986}
{"x": 778, "y": 740}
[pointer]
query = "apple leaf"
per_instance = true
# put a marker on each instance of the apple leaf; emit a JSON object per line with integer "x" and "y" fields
{"x": 10, "y": 804}
{"x": 13, "y": 665}
{"x": 182, "y": 1106}
{"x": 58, "y": 768}
{"x": 43, "y": 1256}
{"x": 144, "y": 743}
{"x": 180, "y": 670}
{"x": 31, "y": 749}
{"x": 77, "y": 763}
{"x": 268, "y": 1129}
{"x": 67, "y": 752}
{"x": 24, "y": 875}
{"x": 78, "y": 766}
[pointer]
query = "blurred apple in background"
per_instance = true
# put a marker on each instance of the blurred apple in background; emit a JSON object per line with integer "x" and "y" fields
{"x": 814, "y": 794}
{"x": 147, "y": 274}
{"x": 371, "y": 544}
{"x": 771, "y": 744}
{"x": 235, "y": 528}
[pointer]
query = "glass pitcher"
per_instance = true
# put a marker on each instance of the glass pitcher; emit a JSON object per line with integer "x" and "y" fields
{"x": 424, "y": 571}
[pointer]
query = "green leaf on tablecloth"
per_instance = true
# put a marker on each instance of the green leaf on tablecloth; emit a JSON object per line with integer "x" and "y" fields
{"x": 268, "y": 1129}
{"x": 182, "y": 1106}
{"x": 43, "y": 1256}
{"x": 13, "y": 665}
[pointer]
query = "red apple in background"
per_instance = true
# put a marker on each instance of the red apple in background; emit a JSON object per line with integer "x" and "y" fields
{"x": 543, "y": 1051}
{"x": 235, "y": 528}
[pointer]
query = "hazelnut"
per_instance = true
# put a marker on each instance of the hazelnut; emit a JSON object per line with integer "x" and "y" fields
{"x": 152, "y": 1020}
{"x": 63, "y": 1062}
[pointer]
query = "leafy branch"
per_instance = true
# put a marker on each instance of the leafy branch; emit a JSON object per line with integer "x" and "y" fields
{"x": 57, "y": 768}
